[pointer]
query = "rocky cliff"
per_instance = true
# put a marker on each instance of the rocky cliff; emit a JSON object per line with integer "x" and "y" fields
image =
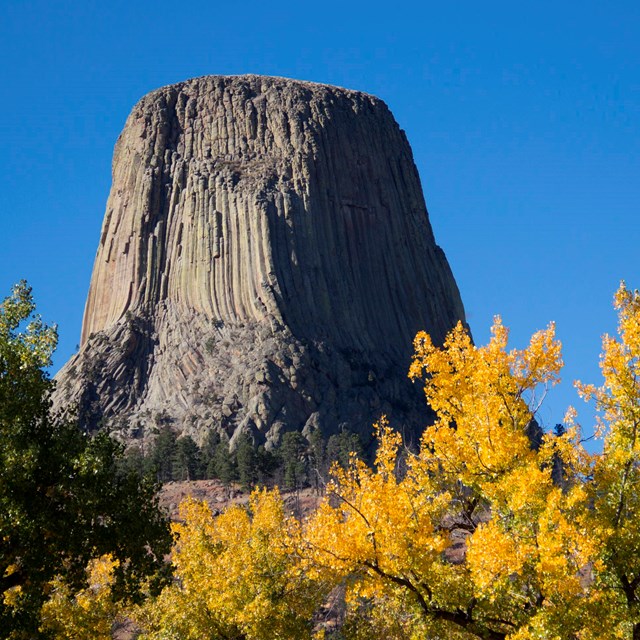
{"x": 265, "y": 260}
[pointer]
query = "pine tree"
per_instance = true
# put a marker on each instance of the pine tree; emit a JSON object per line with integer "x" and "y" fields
{"x": 266, "y": 464}
{"x": 292, "y": 452}
{"x": 318, "y": 469}
{"x": 341, "y": 446}
{"x": 246, "y": 462}
{"x": 224, "y": 463}
{"x": 160, "y": 460}
{"x": 208, "y": 454}
{"x": 186, "y": 460}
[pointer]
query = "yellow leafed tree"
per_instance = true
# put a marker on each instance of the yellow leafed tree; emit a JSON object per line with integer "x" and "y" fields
{"x": 237, "y": 576}
{"x": 88, "y": 614}
{"x": 614, "y": 519}
{"x": 472, "y": 538}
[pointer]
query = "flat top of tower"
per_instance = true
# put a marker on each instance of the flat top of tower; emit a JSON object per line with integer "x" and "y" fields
{"x": 257, "y": 83}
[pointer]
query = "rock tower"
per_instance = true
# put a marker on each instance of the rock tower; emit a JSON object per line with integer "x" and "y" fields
{"x": 265, "y": 261}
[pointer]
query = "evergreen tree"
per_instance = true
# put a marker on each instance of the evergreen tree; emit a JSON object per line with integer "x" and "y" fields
{"x": 186, "y": 459}
{"x": 341, "y": 446}
{"x": 559, "y": 430}
{"x": 267, "y": 464}
{"x": 133, "y": 461}
{"x": 318, "y": 470}
{"x": 160, "y": 460}
{"x": 246, "y": 462}
{"x": 224, "y": 463}
{"x": 292, "y": 452}
{"x": 208, "y": 454}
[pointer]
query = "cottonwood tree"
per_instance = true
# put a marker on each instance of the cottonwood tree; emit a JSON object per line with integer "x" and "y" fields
{"x": 614, "y": 494}
{"x": 474, "y": 539}
{"x": 237, "y": 574}
{"x": 87, "y": 614}
{"x": 63, "y": 500}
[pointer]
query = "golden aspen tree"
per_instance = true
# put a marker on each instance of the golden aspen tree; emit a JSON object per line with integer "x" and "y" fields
{"x": 237, "y": 576}
{"x": 474, "y": 539}
{"x": 614, "y": 492}
{"x": 88, "y": 614}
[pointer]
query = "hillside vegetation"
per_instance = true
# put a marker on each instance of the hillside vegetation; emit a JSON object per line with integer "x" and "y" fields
{"x": 489, "y": 530}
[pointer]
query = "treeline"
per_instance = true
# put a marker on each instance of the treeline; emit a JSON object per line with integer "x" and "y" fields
{"x": 296, "y": 462}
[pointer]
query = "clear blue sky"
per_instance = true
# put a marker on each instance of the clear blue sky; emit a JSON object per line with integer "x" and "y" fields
{"x": 523, "y": 118}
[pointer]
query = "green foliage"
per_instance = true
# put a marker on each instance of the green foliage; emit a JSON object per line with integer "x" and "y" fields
{"x": 186, "y": 460}
{"x": 317, "y": 459}
{"x": 160, "y": 460}
{"x": 246, "y": 463}
{"x": 292, "y": 453}
{"x": 210, "y": 345}
{"x": 295, "y": 463}
{"x": 208, "y": 453}
{"x": 267, "y": 465}
{"x": 133, "y": 461}
{"x": 63, "y": 498}
{"x": 341, "y": 446}
{"x": 224, "y": 464}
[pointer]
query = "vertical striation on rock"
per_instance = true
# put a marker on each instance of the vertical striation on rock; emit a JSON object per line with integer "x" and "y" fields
{"x": 265, "y": 260}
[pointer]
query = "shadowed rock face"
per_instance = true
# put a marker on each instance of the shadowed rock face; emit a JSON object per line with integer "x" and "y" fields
{"x": 265, "y": 261}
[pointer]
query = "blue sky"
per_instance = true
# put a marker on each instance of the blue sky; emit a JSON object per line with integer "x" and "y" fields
{"x": 523, "y": 118}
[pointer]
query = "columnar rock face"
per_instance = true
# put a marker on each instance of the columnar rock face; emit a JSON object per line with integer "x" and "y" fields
{"x": 265, "y": 261}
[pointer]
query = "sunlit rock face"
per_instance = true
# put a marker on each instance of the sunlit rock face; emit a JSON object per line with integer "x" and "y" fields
{"x": 265, "y": 260}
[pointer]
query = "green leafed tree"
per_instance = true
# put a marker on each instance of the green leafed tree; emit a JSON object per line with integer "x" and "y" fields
{"x": 64, "y": 499}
